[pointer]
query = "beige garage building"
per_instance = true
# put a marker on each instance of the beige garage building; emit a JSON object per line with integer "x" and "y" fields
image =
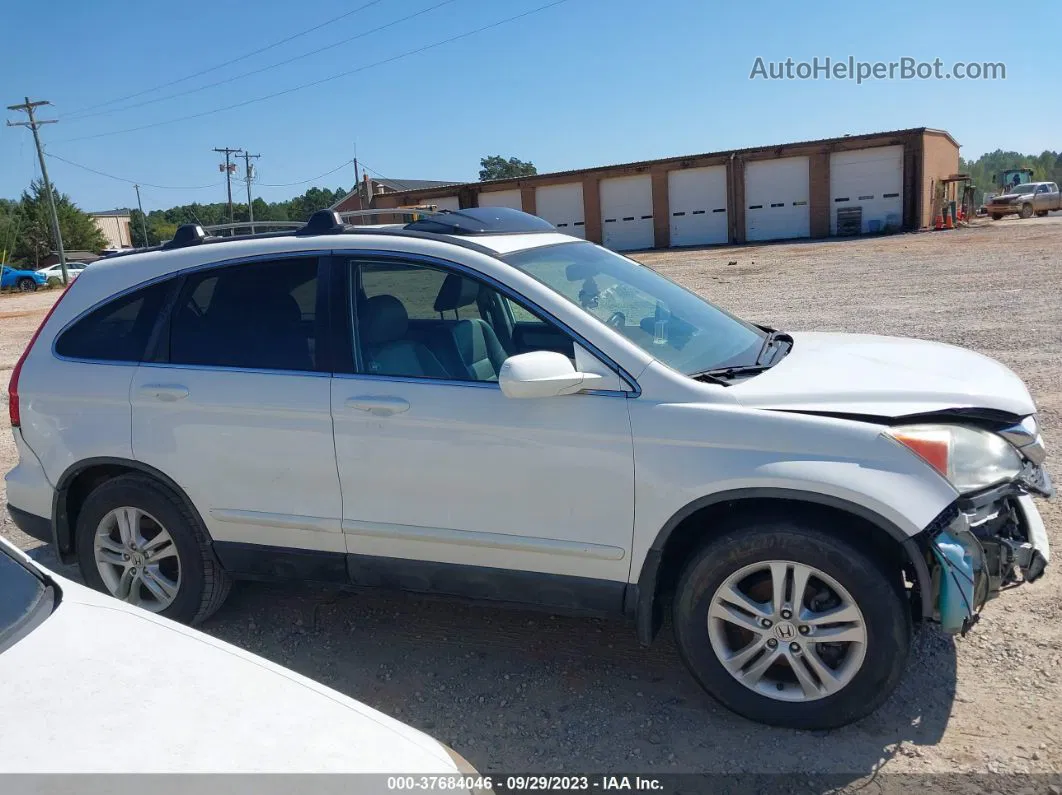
{"x": 855, "y": 184}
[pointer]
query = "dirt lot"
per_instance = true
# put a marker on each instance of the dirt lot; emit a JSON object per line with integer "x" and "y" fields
{"x": 519, "y": 691}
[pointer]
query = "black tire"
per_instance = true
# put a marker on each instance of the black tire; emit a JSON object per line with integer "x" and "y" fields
{"x": 204, "y": 583}
{"x": 1041, "y": 213}
{"x": 877, "y": 592}
{"x": 1026, "y": 211}
{"x": 997, "y": 216}
{"x": 26, "y": 285}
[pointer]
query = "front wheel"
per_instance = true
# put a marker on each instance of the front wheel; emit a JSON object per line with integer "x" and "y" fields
{"x": 1026, "y": 211}
{"x": 139, "y": 542}
{"x": 790, "y": 626}
{"x": 26, "y": 285}
{"x": 997, "y": 216}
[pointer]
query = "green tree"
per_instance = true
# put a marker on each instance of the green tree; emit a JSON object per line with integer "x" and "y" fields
{"x": 159, "y": 230}
{"x": 10, "y": 212}
{"x": 35, "y": 240}
{"x": 137, "y": 222}
{"x": 497, "y": 167}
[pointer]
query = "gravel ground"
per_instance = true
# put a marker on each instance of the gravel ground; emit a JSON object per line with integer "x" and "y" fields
{"x": 529, "y": 691}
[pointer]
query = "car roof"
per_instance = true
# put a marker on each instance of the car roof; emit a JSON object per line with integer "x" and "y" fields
{"x": 493, "y": 231}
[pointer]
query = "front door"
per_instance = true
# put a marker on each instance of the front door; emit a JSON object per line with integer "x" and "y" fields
{"x": 238, "y": 413}
{"x": 450, "y": 486}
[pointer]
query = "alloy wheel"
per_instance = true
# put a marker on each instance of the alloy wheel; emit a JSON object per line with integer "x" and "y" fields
{"x": 787, "y": 630}
{"x": 137, "y": 559}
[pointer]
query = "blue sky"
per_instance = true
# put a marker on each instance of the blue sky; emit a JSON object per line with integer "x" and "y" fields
{"x": 583, "y": 83}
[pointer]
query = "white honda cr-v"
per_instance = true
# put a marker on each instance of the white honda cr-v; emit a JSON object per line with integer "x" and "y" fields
{"x": 474, "y": 404}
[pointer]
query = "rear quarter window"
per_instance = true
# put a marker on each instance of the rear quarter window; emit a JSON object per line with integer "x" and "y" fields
{"x": 119, "y": 330}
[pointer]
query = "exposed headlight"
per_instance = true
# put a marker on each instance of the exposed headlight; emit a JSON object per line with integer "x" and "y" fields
{"x": 969, "y": 458}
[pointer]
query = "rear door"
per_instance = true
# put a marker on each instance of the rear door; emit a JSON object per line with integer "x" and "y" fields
{"x": 236, "y": 409}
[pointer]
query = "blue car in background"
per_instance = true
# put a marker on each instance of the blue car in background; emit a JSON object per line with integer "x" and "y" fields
{"x": 24, "y": 281}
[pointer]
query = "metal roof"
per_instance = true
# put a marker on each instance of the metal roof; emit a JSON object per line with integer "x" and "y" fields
{"x": 721, "y": 153}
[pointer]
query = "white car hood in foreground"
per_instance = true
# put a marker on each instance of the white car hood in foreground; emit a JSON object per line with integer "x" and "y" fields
{"x": 103, "y": 687}
{"x": 883, "y": 376}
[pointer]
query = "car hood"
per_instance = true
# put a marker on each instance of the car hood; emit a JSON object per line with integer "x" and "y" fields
{"x": 883, "y": 376}
{"x": 1007, "y": 197}
{"x": 104, "y": 687}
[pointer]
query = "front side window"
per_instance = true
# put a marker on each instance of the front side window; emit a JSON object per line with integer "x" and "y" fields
{"x": 119, "y": 330}
{"x": 667, "y": 321}
{"x": 254, "y": 315}
{"x": 419, "y": 321}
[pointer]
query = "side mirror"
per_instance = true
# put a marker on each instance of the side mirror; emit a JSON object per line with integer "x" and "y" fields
{"x": 542, "y": 374}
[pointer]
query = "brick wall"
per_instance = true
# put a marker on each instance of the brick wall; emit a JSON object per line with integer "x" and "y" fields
{"x": 940, "y": 158}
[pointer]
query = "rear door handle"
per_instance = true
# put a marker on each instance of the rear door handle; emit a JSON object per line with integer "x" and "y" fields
{"x": 379, "y": 406}
{"x": 164, "y": 392}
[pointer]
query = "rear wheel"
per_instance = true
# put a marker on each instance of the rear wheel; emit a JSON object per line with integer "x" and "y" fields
{"x": 1041, "y": 213}
{"x": 26, "y": 284}
{"x": 1026, "y": 211}
{"x": 139, "y": 542}
{"x": 787, "y": 625}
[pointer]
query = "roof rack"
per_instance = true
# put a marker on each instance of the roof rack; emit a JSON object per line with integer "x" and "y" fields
{"x": 410, "y": 212}
{"x": 427, "y": 221}
{"x": 253, "y": 225}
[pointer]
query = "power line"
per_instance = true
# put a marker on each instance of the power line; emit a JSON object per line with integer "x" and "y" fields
{"x": 323, "y": 80}
{"x": 303, "y": 181}
{"x": 130, "y": 181}
{"x": 233, "y": 60}
{"x": 401, "y": 185}
{"x": 363, "y": 34}
{"x": 192, "y": 187}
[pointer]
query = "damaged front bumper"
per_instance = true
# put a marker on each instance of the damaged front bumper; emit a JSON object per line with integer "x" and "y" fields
{"x": 985, "y": 543}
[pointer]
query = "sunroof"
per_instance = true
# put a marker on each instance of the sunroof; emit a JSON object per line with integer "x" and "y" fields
{"x": 481, "y": 221}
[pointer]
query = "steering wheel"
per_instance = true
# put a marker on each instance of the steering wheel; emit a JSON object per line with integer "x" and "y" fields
{"x": 617, "y": 320}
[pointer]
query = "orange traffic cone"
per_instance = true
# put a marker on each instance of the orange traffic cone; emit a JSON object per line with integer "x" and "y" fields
{"x": 948, "y": 223}
{"x": 940, "y": 220}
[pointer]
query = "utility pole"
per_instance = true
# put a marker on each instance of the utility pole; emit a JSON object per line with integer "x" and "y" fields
{"x": 28, "y": 107}
{"x": 228, "y": 169}
{"x": 248, "y": 173}
{"x": 143, "y": 218}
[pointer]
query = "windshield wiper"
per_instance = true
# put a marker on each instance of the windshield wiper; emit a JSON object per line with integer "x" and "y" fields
{"x": 722, "y": 374}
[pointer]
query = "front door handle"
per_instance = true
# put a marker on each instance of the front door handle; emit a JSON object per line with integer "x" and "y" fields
{"x": 164, "y": 392}
{"x": 378, "y": 406}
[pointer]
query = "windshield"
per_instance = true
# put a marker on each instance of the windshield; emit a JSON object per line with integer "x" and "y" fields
{"x": 667, "y": 321}
{"x": 22, "y": 594}
{"x": 1023, "y": 189}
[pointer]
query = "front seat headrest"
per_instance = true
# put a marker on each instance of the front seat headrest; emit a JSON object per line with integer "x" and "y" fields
{"x": 456, "y": 292}
{"x": 382, "y": 319}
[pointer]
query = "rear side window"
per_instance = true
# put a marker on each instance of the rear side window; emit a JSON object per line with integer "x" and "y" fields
{"x": 119, "y": 330}
{"x": 255, "y": 316}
